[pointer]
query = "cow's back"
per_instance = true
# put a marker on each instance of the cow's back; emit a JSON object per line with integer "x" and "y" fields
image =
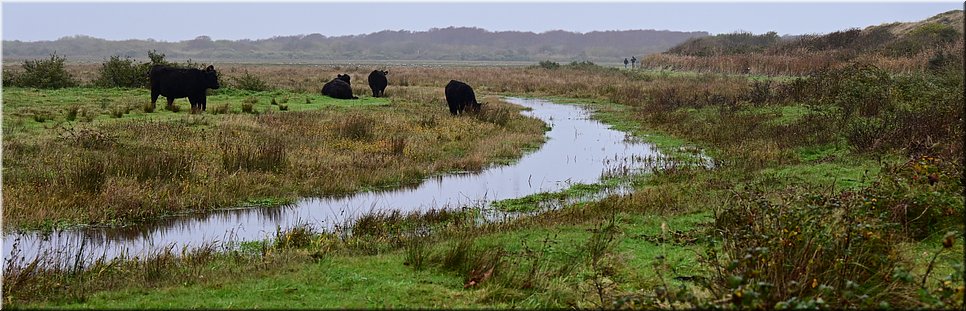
{"x": 377, "y": 79}
{"x": 176, "y": 82}
{"x": 459, "y": 92}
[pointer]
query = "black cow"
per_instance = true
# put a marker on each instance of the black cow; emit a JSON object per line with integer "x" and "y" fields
{"x": 459, "y": 95}
{"x": 182, "y": 82}
{"x": 339, "y": 88}
{"x": 378, "y": 82}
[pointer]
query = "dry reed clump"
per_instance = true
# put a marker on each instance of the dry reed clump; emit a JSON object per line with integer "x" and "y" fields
{"x": 355, "y": 127}
{"x": 252, "y": 152}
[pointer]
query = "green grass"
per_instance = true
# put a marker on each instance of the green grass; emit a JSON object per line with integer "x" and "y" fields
{"x": 573, "y": 194}
{"x": 840, "y": 175}
{"x": 380, "y": 281}
{"x": 106, "y": 170}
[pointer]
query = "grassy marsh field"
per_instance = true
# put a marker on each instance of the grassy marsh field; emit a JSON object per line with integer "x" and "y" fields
{"x": 96, "y": 156}
{"x": 846, "y": 198}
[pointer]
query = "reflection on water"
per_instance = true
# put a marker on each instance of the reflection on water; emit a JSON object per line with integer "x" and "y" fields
{"x": 578, "y": 150}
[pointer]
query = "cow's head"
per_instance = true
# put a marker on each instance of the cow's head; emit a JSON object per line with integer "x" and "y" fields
{"x": 345, "y": 78}
{"x": 384, "y": 72}
{"x": 211, "y": 78}
{"x": 475, "y": 107}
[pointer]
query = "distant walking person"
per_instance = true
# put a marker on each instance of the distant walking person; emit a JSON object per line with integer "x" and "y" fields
{"x": 633, "y": 60}
{"x": 625, "y": 62}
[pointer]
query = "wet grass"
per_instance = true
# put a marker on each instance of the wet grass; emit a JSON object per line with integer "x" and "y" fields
{"x": 572, "y": 194}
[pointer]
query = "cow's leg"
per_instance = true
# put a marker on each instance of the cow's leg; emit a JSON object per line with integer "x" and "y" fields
{"x": 453, "y": 110}
{"x": 154, "y": 98}
{"x": 170, "y": 105}
{"x": 204, "y": 103}
{"x": 194, "y": 104}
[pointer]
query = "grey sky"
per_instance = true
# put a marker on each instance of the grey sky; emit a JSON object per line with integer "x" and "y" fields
{"x": 175, "y": 21}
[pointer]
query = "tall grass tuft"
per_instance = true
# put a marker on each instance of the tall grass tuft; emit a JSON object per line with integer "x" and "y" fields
{"x": 252, "y": 152}
{"x": 71, "y": 113}
{"x": 355, "y": 127}
{"x": 499, "y": 115}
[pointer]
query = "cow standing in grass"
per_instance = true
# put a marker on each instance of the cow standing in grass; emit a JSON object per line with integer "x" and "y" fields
{"x": 460, "y": 96}
{"x": 183, "y": 82}
{"x": 339, "y": 87}
{"x": 378, "y": 82}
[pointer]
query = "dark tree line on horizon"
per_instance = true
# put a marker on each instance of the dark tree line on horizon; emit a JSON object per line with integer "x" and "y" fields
{"x": 452, "y": 43}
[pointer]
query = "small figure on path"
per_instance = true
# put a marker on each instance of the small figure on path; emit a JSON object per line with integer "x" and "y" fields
{"x": 625, "y": 62}
{"x": 633, "y": 60}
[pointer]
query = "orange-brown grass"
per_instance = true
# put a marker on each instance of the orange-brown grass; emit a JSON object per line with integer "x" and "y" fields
{"x": 797, "y": 63}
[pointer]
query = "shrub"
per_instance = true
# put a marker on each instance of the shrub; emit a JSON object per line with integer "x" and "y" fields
{"x": 9, "y": 78}
{"x": 251, "y": 83}
{"x": 45, "y": 74}
{"x": 157, "y": 58}
{"x": 804, "y": 249}
{"x": 919, "y": 195}
{"x": 547, "y": 64}
{"x": 118, "y": 72}
{"x": 583, "y": 65}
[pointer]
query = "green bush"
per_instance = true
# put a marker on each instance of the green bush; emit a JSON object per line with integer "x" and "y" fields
{"x": 549, "y": 64}
{"x": 9, "y": 78}
{"x": 250, "y": 82}
{"x": 45, "y": 74}
{"x": 118, "y": 72}
{"x": 804, "y": 249}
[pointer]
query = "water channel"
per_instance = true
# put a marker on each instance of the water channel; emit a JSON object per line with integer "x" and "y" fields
{"x": 578, "y": 149}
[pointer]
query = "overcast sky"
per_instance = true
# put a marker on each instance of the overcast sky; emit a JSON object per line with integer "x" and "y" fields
{"x": 176, "y": 21}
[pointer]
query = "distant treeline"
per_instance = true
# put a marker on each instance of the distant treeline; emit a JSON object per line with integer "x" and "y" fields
{"x": 453, "y": 43}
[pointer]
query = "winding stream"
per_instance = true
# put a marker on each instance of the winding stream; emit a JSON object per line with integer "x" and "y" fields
{"x": 578, "y": 150}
